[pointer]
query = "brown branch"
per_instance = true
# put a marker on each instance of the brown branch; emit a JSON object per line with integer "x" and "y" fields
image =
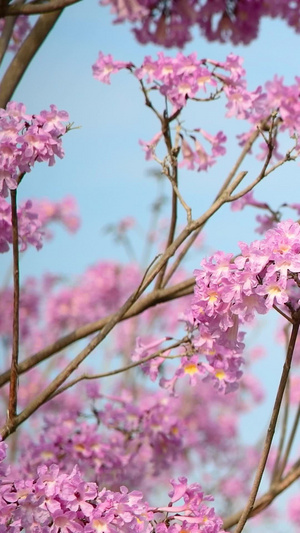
{"x": 249, "y": 188}
{"x": 36, "y": 8}
{"x": 150, "y": 300}
{"x": 181, "y": 256}
{"x": 283, "y": 314}
{"x": 12, "y": 402}
{"x": 225, "y": 185}
{"x": 159, "y": 353}
{"x": 240, "y": 159}
{"x": 271, "y": 430}
{"x": 25, "y": 54}
{"x": 266, "y": 499}
{"x": 173, "y": 177}
{"x": 276, "y": 474}
{"x": 285, "y": 159}
{"x": 289, "y": 444}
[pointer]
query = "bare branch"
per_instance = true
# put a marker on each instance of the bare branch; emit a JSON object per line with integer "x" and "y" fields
{"x": 83, "y": 377}
{"x": 271, "y": 430}
{"x": 38, "y": 8}
{"x": 25, "y": 54}
{"x": 150, "y": 300}
{"x": 12, "y": 403}
{"x": 266, "y": 499}
{"x": 289, "y": 444}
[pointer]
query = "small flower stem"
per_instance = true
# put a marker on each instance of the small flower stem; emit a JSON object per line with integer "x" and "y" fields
{"x": 271, "y": 429}
{"x": 12, "y": 403}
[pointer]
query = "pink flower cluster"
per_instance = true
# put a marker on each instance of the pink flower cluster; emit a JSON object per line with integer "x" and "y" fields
{"x": 29, "y": 226}
{"x": 193, "y": 515}
{"x": 99, "y": 292}
{"x": 230, "y": 291}
{"x": 236, "y": 20}
{"x": 136, "y": 438}
{"x": 25, "y": 139}
{"x": 59, "y": 502}
{"x": 34, "y": 219}
{"x": 182, "y": 78}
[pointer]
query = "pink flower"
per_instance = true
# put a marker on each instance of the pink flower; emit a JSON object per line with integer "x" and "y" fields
{"x": 105, "y": 66}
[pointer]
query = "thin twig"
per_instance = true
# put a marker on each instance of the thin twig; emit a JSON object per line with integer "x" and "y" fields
{"x": 180, "y": 198}
{"x": 245, "y": 151}
{"x": 12, "y": 403}
{"x": 173, "y": 177}
{"x": 271, "y": 429}
{"x": 289, "y": 444}
{"x": 275, "y": 474}
{"x": 266, "y": 499}
{"x": 149, "y": 104}
{"x": 181, "y": 256}
{"x": 283, "y": 314}
{"x": 83, "y": 377}
{"x": 285, "y": 159}
{"x": 223, "y": 188}
{"x": 262, "y": 174}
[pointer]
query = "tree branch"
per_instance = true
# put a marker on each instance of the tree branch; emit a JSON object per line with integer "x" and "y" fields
{"x": 271, "y": 430}
{"x": 25, "y": 54}
{"x": 150, "y": 300}
{"x": 266, "y": 499}
{"x": 159, "y": 353}
{"x": 37, "y": 8}
{"x": 12, "y": 402}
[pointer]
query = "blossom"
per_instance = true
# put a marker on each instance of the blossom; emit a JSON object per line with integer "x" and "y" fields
{"x": 26, "y": 139}
{"x": 230, "y": 291}
{"x": 150, "y": 146}
{"x": 105, "y": 66}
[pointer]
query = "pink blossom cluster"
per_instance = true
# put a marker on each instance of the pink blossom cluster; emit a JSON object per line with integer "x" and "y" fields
{"x": 34, "y": 218}
{"x": 270, "y": 218}
{"x": 230, "y": 291}
{"x": 25, "y": 139}
{"x": 30, "y": 302}
{"x": 133, "y": 437}
{"x": 21, "y": 29}
{"x": 283, "y": 101}
{"x": 182, "y": 78}
{"x": 223, "y": 20}
{"x": 99, "y": 292}
{"x": 29, "y": 226}
{"x": 64, "y": 212}
{"x": 138, "y": 441}
{"x": 61, "y": 502}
